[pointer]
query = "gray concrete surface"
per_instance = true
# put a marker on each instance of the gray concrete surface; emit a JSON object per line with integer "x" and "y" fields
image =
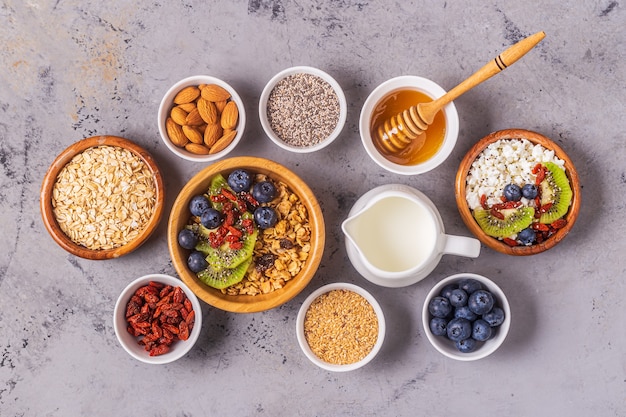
{"x": 72, "y": 69}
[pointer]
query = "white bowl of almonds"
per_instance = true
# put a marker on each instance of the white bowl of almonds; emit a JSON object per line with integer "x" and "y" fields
{"x": 302, "y": 109}
{"x": 340, "y": 327}
{"x": 102, "y": 197}
{"x": 201, "y": 118}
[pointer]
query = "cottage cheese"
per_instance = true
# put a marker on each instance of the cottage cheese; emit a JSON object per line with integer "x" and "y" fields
{"x": 506, "y": 161}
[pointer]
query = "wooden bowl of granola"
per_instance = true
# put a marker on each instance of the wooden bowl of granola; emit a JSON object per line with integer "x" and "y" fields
{"x": 102, "y": 197}
{"x": 286, "y": 255}
{"x": 513, "y": 156}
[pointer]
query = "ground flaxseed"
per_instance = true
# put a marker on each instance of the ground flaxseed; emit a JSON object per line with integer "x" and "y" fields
{"x": 303, "y": 109}
{"x": 341, "y": 327}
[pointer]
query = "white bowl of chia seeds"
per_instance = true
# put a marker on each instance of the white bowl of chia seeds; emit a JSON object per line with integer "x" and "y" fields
{"x": 302, "y": 109}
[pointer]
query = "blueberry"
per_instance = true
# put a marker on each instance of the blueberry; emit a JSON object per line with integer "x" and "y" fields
{"x": 481, "y": 330}
{"x": 469, "y": 285}
{"x": 196, "y": 261}
{"x": 447, "y": 290}
{"x": 465, "y": 313}
{"x": 459, "y": 329}
{"x": 458, "y": 298}
{"x": 495, "y": 317}
{"x": 198, "y": 205}
{"x": 439, "y": 307}
{"x": 240, "y": 180}
{"x": 438, "y": 326}
{"x": 264, "y": 191}
{"x": 529, "y": 191}
{"x": 466, "y": 345}
{"x": 265, "y": 217}
{"x": 187, "y": 239}
{"x": 526, "y": 236}
{"x": 211, "y": 218}
{"x": 480, "y": 302}
{"x": 512, "y": 192}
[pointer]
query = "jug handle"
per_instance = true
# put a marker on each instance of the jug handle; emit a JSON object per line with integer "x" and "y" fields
{"x": 461, "y": 246}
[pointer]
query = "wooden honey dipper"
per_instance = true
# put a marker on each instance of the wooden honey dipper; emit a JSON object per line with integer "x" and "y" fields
{"x": 400, "y": 130}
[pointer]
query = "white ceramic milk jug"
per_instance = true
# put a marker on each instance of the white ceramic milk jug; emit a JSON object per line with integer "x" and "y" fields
{"x": 395, "y": 236}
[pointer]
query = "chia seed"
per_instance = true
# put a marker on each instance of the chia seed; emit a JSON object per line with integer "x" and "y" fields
{"x": 303, "y": 110}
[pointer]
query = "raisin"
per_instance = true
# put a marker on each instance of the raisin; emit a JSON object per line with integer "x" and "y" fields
{"x": 286, "y": 243}
{"x": 265, "y": 262}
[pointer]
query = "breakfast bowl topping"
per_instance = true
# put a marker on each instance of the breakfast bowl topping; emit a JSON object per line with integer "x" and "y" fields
{"x": 518, "y": 191}
{"x": 247, "y": 234}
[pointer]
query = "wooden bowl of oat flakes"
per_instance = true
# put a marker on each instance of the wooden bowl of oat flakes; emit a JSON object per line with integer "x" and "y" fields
{"x": 102, "y": 197}
{"x": 285, "y": 256}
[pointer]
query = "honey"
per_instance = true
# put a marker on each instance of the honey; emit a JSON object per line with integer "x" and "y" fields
{"x": 420, "y": 149}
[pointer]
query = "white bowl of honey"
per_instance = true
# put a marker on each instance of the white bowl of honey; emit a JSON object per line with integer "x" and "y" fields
{"x": 418, "y": 155}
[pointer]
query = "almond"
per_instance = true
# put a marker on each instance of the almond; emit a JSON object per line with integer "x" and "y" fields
{"x": 214, "y": 92}
{"x": 212, "y": 133}
{"x": 187, "y": 95}
{"x": 223, "y": 142}
{"x": 229, "y": 116}
{"x": 193, "y": 135}
{"x": 207, "y": 111}
{"x": 220, "y": 105}
{"x": 197, "y": 149}
{"x": 178, "y": 115}
{"x": 175, "y": 133}
{"x": 193, "y": 118}
{"x": 187, "y": 106}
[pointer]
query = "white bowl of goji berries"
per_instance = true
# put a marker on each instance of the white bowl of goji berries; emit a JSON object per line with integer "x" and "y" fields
{"x": 157, "y": 319}
{"x": 302, "y": 109}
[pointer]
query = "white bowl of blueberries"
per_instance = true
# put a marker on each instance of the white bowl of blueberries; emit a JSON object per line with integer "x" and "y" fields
{"x": 466, "y": 317}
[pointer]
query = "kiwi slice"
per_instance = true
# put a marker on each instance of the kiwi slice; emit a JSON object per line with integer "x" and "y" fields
{"x": 226, "y": 258}
{"x": 515, "y": 220}
{"x": 217, "y": 183}
{"x": 555, "y": 188}
{"x": 224, "y": 278}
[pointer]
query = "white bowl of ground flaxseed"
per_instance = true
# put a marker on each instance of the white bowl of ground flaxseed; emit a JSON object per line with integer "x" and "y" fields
{"x": 340, "y": 327}
{"x": 302, "y": 109}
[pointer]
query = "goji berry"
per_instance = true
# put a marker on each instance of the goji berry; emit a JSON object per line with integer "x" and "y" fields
{"x": 510, "y": 241}
{"x": 541, "y": 175}
{"x": 545, "y": 207}
{"x": 234, "y": 231}
{"x": 483, "y": 202}
{"x": 540, "y": 226}
{"x": 495, "y": 213}
{"x": 218, "y": 198}
{"x": 236, "y": 245}
{"x": 229, "y": 195}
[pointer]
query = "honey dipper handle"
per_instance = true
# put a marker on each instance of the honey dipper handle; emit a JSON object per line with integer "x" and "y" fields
{"x": 505, "y": 59}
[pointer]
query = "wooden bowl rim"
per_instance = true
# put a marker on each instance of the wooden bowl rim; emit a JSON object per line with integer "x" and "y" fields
{"x": 247, "y": 303}
{"x": 45, "y": 199}
{"x": 466, "y": 214}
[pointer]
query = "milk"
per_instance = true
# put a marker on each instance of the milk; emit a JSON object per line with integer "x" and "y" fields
{"x": 394, "y": 234}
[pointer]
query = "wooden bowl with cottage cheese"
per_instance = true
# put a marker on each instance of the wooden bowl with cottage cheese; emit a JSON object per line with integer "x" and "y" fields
{"x": 286, "y": 256}
{"x": 102, "y": 197}
{"x": 505, "y": 157}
